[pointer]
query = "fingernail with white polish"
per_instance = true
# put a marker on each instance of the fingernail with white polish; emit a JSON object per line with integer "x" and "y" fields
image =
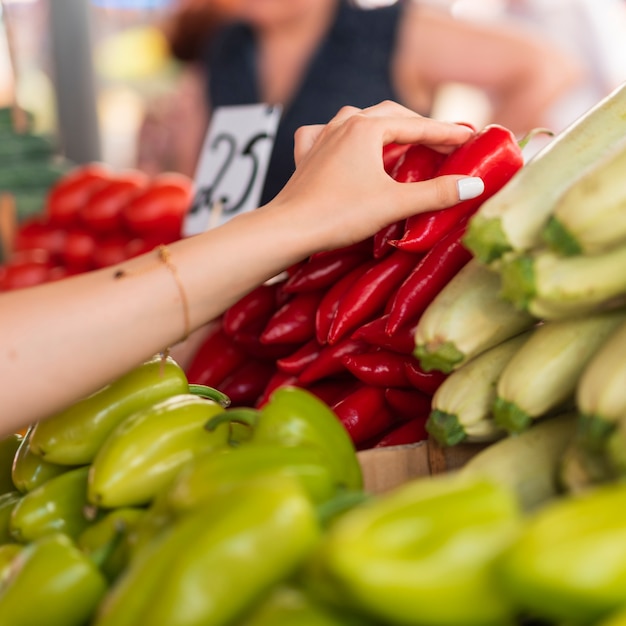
{"x": 470, "y": 187}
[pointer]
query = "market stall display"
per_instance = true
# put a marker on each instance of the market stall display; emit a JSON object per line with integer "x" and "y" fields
{"x": 195, "y": 505}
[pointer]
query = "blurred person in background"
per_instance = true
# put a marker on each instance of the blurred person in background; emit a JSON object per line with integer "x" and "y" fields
{"x": 314, "y": 56}
{"x": 592, "y": 31}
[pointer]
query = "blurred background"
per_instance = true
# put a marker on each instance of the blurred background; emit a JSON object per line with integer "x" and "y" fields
{"x": 99, "y": 75}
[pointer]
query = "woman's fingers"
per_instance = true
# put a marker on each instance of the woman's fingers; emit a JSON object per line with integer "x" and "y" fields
{"x": 392, "y": 121}
{"x": 304, "y": 139}
{"x": 437, "y": 193}
{"x": 306, "y": 136}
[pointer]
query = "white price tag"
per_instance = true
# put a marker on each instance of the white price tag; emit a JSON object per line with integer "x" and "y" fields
{"x": 233, "y": 165}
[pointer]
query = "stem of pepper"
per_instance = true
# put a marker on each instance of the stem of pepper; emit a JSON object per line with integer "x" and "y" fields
{"x": 211, "y": 393}
{"x": 242, "y": 415}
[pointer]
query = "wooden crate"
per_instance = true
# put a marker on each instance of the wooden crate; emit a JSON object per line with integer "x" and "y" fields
{"x": 386, "y": 468}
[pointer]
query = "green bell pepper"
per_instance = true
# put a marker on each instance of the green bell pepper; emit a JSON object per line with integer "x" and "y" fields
{"x": 421, "y": 554}
{"x": 8, "y": 502}
{"x": 73, "y": 436}
{"x": 210, "y": 566}
{"x": 107, "y": 540}
{"x": 569, "y": 563}
{"x": 51, "y": 582}
{"x": 211, "y": 473}
{"x": 29, "y": 470}
{"x": 148, "y": 448}
{"x": 291, "y": 606}
{"x": 59, "y": 505}
{"x": 8, "y": 552}
{"x": 618, "y": 618}
{"x": 8, "y": 450}
{"x": 295, "y": 417}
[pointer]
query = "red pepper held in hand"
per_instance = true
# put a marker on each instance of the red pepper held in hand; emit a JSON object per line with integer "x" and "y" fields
{"x": 418, "y": 163}
{"x": 430, "y": 275}
{"x": 392, "y": 152}
{"x": 381, "y": 245}
{"x": 492, "y": 154}
{"x": 367, "y": 297}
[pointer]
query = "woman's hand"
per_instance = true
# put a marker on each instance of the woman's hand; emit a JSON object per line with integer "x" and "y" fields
{"x": 340, "y": 192}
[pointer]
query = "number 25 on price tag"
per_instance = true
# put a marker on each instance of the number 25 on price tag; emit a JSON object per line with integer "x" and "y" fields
{"x": 232, "y": 166}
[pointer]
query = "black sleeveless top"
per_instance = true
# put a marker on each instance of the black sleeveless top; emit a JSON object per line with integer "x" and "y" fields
{"x": 351, "y": 67}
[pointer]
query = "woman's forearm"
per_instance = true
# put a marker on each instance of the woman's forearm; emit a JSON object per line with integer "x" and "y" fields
{"x": 97, "y": 325}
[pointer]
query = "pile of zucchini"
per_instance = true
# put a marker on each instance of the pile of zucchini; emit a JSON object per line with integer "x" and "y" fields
{"x": 534, "y": 326}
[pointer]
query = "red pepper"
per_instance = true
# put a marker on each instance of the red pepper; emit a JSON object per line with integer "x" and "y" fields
{"x": 38, "y": 232}
{"x": 298, "y": 360}
{"x": 380, "y": 368}
{"x": 332, "y": 390}
{"x": 294, "y": 322}
{"x": 391, "y": 153}
{"x": 367, "y": 297}
{"x": 247, "y": 383}
{"x": 364, "y": 247}
{"x": 321, "y": 271}
{"x": 430, "y": 275}
{"x": 494, "y": 155}
{"x": 103, "y": 212}
{"x": 278, "y": 379}
{"x": 329, "y": 361}
{"x": 111, "y": 248}
{"x": 408, "y": 404}
{"x": 404, "y": 434}
{"x": 375, "y": 334}
{"x": 255, "y": 307}
{"x": 70, "y": 193}
{"x": 419, "y": 162}
{"x": 327, "y": 307}
{"x": 25, "y": 268}
{"x": 78, "y": 249}
{"x": 428, "y": 382}
{"x": 160, "y": 208}
{"x": 250, "y": 342}
{"x": 216, "y": 358}
{"x": 381, "y": 246}
{"x": 364, "y": 413}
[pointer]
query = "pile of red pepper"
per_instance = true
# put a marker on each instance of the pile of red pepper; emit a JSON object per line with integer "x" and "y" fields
{"x": 94, "y": 217}
{"x": 341, "y": 323}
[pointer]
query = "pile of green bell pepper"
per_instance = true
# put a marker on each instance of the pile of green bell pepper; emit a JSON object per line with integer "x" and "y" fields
{"x": 203, "y": 515}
